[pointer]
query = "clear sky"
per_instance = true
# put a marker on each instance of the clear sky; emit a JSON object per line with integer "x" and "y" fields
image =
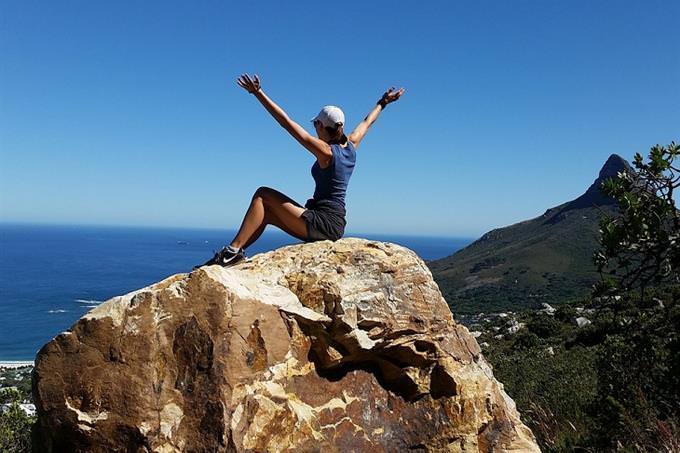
{"x": 128, "y": 112}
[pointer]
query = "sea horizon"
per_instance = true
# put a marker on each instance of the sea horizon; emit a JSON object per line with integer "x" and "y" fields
{"x": 52, "y": 274}
{"x": 348, "y": 233}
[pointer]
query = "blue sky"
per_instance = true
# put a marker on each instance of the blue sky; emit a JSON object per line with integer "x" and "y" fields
{"x": 128, "y": 113}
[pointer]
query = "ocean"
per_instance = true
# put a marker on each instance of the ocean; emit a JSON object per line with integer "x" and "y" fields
{"x": 52, "y": 275}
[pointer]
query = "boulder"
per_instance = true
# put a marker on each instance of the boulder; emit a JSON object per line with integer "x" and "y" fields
{"x": 325, "y": 346}
{"x": 547, "y": 309}
{"x": 514, "y": 326}
{"x": 582, "y": 321}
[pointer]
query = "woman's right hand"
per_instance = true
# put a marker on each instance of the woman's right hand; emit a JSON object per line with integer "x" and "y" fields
{"x": 250, "y": 85}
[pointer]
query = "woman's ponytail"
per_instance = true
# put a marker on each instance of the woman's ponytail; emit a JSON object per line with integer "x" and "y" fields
{"x": 337, "y": 134}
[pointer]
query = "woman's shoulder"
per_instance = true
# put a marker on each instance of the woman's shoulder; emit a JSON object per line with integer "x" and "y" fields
{"x": 347, "y": 145}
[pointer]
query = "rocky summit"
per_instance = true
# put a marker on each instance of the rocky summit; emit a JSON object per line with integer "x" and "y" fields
{"x": 325, "y": 346}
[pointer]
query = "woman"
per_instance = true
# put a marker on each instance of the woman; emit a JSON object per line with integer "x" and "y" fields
{"x": 323, "y": 216}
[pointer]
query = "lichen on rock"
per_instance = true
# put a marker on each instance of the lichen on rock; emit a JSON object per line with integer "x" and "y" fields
{"x": 325, "y": 346}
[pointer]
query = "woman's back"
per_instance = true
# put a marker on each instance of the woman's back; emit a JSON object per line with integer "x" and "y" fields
{"x": 332, "y": 181}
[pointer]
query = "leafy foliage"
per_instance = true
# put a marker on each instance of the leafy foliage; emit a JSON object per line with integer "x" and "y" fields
{"x": 639, "y": 373}
{"x": 640, "y": 246}
{"x": 15, "y": 425}
{"x": 612, "y": 385}
{"x": 639, "y": 363}
{"x": 553, "y": 385}
{"x": 20, "y": 378}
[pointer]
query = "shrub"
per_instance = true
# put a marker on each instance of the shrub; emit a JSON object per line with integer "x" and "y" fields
{"x": 15, "y": 425}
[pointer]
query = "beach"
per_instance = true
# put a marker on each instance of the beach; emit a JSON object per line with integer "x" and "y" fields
{"x": 15, "y": 363}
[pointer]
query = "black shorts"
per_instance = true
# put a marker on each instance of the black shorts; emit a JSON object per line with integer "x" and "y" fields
{"x": 325, "y": 219}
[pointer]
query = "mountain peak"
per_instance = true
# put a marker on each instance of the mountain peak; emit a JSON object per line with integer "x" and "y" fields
{"x": 594, "y": 196}
{"x": 612, "y": 167}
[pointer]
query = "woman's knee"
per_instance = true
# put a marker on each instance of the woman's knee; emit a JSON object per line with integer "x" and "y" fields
{"x": 263, "y": 192}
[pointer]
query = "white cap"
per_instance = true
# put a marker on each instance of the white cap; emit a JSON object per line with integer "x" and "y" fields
{"x": 330, "y": 115}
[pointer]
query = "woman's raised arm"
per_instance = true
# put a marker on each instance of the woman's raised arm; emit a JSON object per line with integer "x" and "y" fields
{"x": 319, "y": 148}
{"x": 358, "y": 133}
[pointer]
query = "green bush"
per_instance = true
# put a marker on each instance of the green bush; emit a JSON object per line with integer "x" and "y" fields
{"x": 15, "y": 425}
{"x": 544, "y": 326}
{"x": 639, "y": 382}
{"x": 612, "y": 385}
{"x": 552, "y": 392}
{"x": 640, "y": 247}
{"x": 526, "y": 340}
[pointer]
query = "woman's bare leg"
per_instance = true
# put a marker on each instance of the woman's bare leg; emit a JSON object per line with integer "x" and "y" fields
{"x": 253, "y": 222}
{"x": 270, "y": 207}
{"x": 254, "y": 237}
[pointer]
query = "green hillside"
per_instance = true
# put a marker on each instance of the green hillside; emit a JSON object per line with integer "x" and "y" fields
{"x": 545, "y": 259}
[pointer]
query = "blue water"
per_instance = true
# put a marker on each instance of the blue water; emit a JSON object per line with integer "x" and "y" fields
{"x": 52, "y": 275}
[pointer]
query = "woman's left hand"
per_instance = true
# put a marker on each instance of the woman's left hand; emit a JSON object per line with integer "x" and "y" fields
{"x": 391, "y": 95}
{"x": 250, "y": 85}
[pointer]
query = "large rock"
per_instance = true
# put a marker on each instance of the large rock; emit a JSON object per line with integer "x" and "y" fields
{"x": 327, "y": 346}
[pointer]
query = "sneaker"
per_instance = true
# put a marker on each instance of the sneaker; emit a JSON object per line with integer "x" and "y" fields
{"x": 225, "y": 258}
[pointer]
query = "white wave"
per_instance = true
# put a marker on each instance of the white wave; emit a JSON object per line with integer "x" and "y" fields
{"x": 57, "y": 310}
{"x": 89, "y": 301}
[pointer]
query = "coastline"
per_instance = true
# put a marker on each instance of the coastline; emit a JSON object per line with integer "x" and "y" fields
{"x": 16, "y": 363}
